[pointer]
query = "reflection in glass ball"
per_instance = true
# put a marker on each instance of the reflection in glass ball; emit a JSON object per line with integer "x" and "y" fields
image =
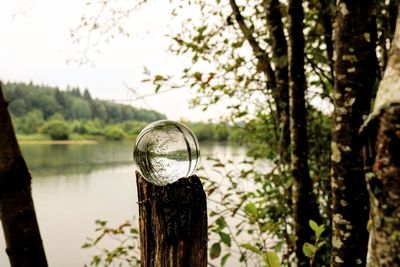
{"x": 166, "y": 151}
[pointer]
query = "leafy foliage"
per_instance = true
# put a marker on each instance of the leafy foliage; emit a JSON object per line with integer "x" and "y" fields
{"x": 71, "y": 104}
{"x": 125, "y": 251}
{"x": 114, "y": 133}
{"x": 258, "y": 228}
{"x": 56, "y": 129}
{"x": 33, "y": 107}
{"x": 310, "y": 250}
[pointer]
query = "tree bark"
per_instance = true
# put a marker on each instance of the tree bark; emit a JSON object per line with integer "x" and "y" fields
{"x": 393, "y": 11}
{"x": 305, "y": 205}
{"x": 384, "y": 186}
{"x": 280, "y": 59}
{"x": 172, "y": 223}
{"x": 382, "y": 157}
{"x": 326, "y": 21}
{"x": 17, "y": 212}
{"x": 355, "y": 75}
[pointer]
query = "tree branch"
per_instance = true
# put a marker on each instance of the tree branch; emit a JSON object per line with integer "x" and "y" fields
{"x": 259, "y": 53}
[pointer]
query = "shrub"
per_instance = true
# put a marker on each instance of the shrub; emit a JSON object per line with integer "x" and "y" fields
{"x": 114, "y": 133}
{"x": 56, "y": 129}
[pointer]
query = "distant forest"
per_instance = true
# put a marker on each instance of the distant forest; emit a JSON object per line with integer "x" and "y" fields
{"x": 41, "y": 112}
{"x": 71, "y": 104}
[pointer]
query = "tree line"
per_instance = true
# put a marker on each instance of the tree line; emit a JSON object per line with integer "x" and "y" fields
{"x": 73, "y": 113}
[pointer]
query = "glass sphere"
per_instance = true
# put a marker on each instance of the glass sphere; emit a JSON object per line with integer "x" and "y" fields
{"x": 166, "y": 151}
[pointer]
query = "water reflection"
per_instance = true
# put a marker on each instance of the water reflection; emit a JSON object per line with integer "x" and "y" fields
{"x": 61, "y": 159}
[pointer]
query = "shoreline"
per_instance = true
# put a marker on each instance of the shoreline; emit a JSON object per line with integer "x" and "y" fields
{"x": 57, "y": 142}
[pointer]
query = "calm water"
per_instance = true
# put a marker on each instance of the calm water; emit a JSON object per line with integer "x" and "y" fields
{"x": 73, "y": 185}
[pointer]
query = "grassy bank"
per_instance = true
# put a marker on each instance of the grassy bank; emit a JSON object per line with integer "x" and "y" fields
{"x": 73, "y": 139}
{"x": 58, "y": 142}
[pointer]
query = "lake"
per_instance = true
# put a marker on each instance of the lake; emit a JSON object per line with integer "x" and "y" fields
{"x": 73, "y": 185}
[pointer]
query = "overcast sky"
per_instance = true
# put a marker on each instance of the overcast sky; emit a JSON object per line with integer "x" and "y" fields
{"x": 36, "y": 45}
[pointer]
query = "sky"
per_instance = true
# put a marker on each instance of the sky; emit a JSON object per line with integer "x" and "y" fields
{"x": 36, "y": 46}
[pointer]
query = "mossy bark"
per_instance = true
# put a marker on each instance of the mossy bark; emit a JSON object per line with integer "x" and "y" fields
{"x": 355, "y": 75}
{"x": 382, "y": 160}
{"x": 172, "y": 223}
{"x": 384, "y": 186}
{"x": 17, "y": 212}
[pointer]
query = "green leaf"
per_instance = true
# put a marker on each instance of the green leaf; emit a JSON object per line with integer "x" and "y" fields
{"x": 213, "y": 213}
{"x": 197, "y": 75}
{"x": 221, "y": 222}
{"x": 202, "y": 29}
{"x": 215, "y": 251}
{"x": 96, "y": 260}
{"x": 86, "y": 245}
{"x": 320, "y": 244}
{"x": 158, "y": 87}
{"x": 278, "y": 246}
{"x": 309, "y": 249}
{"x": 159, "y": 78}
{"x": 224, "y": 259}
{"x": 225, "y": 238}
{"x": 319, "y": 231}
{"x": 100, "y": 222}
{"x": 313, "y": 225}
{"x": 251, "y": 209}
{"x": 241, "y": 114}
{"x": 250, "y": 247}
{"x": 271, "y": 259}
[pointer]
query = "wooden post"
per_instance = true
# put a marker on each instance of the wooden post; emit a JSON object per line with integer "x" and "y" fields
{"x": 172, "y": 223}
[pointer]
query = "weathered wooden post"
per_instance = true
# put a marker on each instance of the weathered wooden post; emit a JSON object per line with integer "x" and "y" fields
{"x": 172, "y": 223}
{"x": 172, "y": 211}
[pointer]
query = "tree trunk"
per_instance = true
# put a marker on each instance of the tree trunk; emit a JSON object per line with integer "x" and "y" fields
{"x": 305, "y": 205}
{"x": 280, "y": 59}
{"x": 383, "y": 163}
{"x": 276, "y": 79}
{"x": 17, "y": 213}
{"x": 173, "y": 223}
{"x": 326, "y": 21}
{"x": 384, "y": 186}
{"x": 355, "y": 75}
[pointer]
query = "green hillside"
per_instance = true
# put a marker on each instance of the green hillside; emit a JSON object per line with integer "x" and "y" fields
{"x": 42, "y": 111}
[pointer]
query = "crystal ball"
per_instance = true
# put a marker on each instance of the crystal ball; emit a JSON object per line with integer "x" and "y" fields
{"x": 166, "y": 151}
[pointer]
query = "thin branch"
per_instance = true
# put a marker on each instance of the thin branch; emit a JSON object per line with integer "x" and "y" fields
{"x": 322, "y": 75}
{"x": 259, "y": 53}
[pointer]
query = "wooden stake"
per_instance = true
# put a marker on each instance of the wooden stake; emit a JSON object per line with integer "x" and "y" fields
{"x": 172, "y": 223}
